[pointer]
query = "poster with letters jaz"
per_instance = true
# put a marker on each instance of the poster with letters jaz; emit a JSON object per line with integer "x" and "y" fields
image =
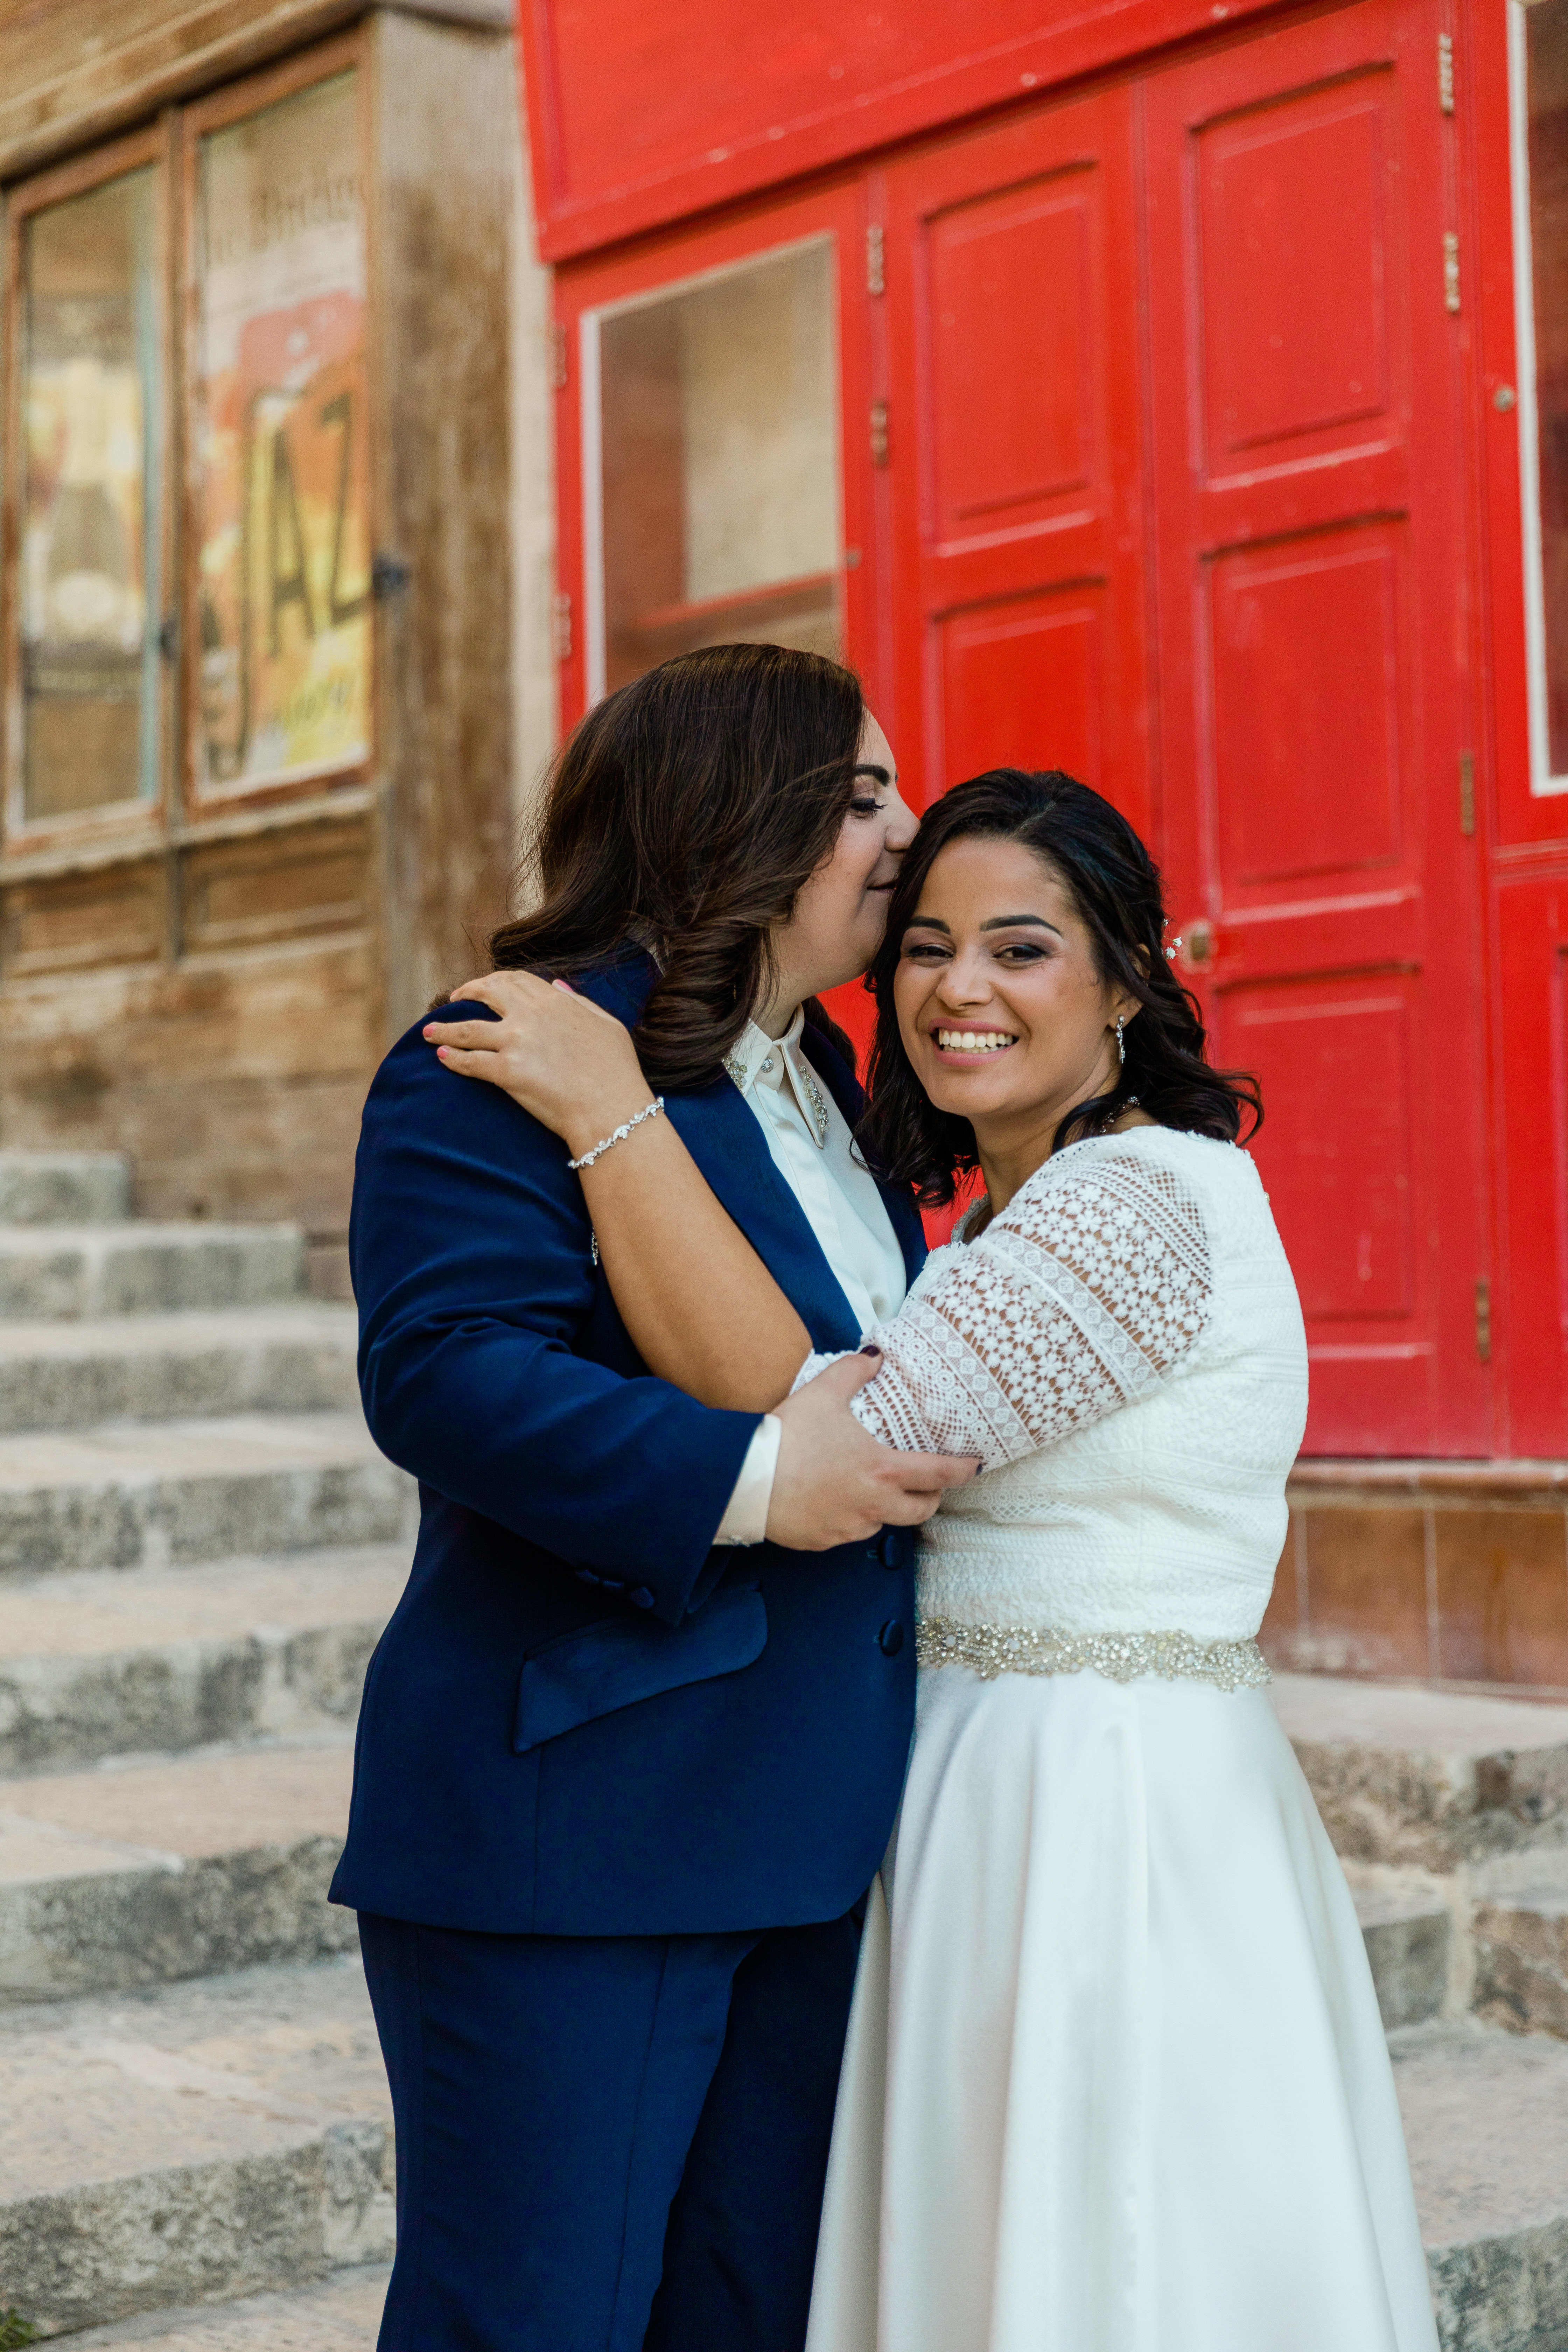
{"x": 283, "y": 584}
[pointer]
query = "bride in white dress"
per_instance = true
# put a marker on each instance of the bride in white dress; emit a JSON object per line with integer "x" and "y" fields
{"x": 1115, "y": 2078}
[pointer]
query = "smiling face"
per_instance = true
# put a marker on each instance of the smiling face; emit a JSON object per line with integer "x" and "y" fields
{"x": 1001, "y": 1009}
{"x": 837, "y": 924}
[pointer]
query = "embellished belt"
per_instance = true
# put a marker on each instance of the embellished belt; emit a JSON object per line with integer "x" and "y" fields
{"x": 992, "y": 1650}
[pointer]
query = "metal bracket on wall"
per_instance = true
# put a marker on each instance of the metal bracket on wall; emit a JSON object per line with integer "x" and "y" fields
{"x": 557, "y": 345}
{"x": 1446, "y": 72}
{"x": 876, "y": 273}
{"x": 1484, "y": 1321}
{"x": 1467, "y": 794}
{"x": 389, "y": 576}
{"x": 561, "y": 616}
{"x": 1450, "y": 270}
{"x": 878, "y": 432}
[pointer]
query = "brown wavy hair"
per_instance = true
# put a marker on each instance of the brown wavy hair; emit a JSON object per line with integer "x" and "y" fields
{"x": 1115, "y": 885}
{"x": 683, "y": 815}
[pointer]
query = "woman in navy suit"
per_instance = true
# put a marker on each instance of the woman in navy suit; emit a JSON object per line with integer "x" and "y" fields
{"x": 632, "y": 1743}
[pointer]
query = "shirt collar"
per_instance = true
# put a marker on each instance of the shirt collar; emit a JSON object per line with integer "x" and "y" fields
{"x": 758, "y": 1060}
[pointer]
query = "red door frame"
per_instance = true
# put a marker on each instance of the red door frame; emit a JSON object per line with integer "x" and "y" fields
{"x": 1522, "y": 838}
{"x": 1522, "y": 843}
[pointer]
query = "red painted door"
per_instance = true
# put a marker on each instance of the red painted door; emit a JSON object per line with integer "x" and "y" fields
{"x": 1013, "y": 453}
{"x": 1306, "y": 469}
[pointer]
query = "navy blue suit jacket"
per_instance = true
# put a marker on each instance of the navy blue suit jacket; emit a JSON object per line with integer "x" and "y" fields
{"x": 582, "y": 1719}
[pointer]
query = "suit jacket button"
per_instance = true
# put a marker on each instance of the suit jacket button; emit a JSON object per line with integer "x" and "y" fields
{"x": 891, "y": 1637}
{"x": 891, "y": 1550}
{"x": 641, "y": 1599}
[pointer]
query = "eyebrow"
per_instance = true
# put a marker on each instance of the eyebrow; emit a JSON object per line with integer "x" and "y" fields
{"x": 866, "y": 768}
{"x": 995, "y": 923}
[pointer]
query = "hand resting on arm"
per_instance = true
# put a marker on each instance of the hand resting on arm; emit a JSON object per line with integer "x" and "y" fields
{"x": 701, "y": 1308}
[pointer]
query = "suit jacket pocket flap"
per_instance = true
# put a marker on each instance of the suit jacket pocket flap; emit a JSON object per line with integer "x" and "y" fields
{"x": 600, "y": 1668}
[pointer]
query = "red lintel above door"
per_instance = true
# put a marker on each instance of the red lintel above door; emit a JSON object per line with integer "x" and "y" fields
{"x": 640, "y": 117}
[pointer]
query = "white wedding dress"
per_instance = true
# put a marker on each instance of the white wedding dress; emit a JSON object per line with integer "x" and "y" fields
{"x": 1115, "y": 2079}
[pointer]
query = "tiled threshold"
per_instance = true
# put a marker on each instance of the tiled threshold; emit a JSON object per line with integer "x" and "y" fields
{"x": 1453, "y": 1574}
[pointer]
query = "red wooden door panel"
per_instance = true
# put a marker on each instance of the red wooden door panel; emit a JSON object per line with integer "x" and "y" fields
{"x": 1533, "y": 989}
{"x": 1013, "y": 453}
{"x": 1307, "y": 462}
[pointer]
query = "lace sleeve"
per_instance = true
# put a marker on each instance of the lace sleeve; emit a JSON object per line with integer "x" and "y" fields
{"x": 1081, "y": 1297}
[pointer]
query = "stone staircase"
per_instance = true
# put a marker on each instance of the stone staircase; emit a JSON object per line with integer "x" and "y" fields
{"x": 198, "y": 1546}
{"x": 1450, "y": 1812}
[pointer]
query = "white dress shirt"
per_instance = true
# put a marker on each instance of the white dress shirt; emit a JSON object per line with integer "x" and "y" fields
{"x": 811, "y": 1146}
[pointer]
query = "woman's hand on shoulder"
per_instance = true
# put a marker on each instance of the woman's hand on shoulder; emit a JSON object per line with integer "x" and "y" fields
{"x": 558, "y": 1055}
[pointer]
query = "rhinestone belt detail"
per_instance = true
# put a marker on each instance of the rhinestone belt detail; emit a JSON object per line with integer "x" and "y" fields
{"x": 992, "y": 1650}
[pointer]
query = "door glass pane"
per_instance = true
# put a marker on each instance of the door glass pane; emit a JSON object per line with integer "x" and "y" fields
{"x": 90, "y": 592}
{"x": 281, "y": 457}
{"x": 721, "y": 466}
{"x": 1545, "y": 418}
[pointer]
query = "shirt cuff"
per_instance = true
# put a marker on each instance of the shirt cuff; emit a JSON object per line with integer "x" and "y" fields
{"x": 745, "y": 1520}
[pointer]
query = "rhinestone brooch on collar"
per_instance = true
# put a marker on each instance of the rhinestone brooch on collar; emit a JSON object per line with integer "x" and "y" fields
{"x": 815, "y": 1105}
{"x": 818, "y": 1108}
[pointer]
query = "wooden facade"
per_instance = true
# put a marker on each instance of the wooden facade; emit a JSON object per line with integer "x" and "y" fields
{"x": 269, "y": 730}
{"x": 1196, "y": 425}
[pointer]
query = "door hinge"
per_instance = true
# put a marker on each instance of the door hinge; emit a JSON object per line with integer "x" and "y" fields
{"x": 876, "y": 271}
{"x": 1450, "y": 270}
{"x": 558, "y": 356}
{"x": 1446, "y": 72}
{"x": 1484, "y": 1321}
{"x": 1467, "y": 794}
{"x": 878, "y": 432}
{"x": 561, "y": 617}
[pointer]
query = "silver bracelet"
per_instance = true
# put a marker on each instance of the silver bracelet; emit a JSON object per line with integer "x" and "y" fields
{"x": 620, "y": 1134}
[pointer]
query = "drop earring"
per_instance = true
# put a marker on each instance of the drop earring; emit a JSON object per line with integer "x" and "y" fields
{"x": 1121, "y": 1044}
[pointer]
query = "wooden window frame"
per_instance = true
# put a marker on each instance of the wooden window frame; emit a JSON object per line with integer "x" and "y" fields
{"x": 235, "y": 103}
{"x": 833, "y": 212}
{"x": 178, "y": 807}
{"x": 124, "y": 822}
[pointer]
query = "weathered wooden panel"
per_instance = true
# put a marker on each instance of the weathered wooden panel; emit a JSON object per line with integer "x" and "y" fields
{"x": 444, "y": 176}
{"x": 72, "y": 70}
{"x": 69, "y": 923}
{"x": 235, "y": 1087}
{"x": 275, "y": 885}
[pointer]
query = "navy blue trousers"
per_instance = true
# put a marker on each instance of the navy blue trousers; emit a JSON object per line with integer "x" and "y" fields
{"x": 607, "y": 2143}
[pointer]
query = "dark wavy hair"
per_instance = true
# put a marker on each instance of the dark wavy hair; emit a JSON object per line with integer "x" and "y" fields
{"x": 684, "y": 812}
{"x": 1114, "y": 886}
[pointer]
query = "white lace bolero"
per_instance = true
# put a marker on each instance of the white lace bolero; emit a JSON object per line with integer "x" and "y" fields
{"x": 1123, "y": 1350}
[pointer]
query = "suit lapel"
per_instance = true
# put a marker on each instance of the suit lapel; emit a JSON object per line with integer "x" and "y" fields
{"x": 725, "y": 1137}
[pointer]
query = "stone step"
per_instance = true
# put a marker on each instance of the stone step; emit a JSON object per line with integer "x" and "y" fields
{"x": 208, "y": 2141}
{"x": 191, "y": 2145}
{"x": 1431, "y": 1777}
{"x": 341, "y": 2313}
{"x": 1486, "y": 2118}
{"x": 1520, "y": 1933}
{"x": 296, "y": 1356}
{"x": 1409, "y": 1940}
{"x": 166, "y": 1867}
{"x": 154, "y": 1493}
{"x": 63, "y": 1272}
{"x": 118, "y": 1662}
{"x": 77, "y": 1188}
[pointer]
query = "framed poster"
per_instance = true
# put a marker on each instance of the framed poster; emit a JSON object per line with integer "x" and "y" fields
{"x": 282, "y": 658}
